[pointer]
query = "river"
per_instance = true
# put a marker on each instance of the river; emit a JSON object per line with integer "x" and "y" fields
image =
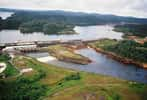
{"x": 101, "y": 64}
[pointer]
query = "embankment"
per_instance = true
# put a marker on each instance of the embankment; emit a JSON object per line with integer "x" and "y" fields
{"x": 119, "y": 58}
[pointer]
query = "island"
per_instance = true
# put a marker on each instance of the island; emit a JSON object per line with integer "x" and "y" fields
{"x": 67, "y": 54}
{"x": 46, "y": 27}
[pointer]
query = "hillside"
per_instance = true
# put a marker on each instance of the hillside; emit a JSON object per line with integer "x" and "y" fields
{"x": 77, "y": 18}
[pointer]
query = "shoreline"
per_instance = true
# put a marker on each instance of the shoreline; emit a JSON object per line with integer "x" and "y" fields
{"x": 84, "y": 61}
{"x": 119, "y": 58}
{"x": 64, "y": 53}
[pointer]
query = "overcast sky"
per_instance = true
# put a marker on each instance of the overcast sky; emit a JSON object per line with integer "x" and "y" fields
{"x": 137, "y": 8}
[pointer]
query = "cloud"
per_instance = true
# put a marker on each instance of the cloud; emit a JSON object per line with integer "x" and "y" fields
{"x": 120, "y": 7}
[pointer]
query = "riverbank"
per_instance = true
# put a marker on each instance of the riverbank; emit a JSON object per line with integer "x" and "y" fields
{"x": 103, "y": 48}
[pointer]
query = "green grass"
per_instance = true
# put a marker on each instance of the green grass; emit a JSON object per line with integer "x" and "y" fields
{"x": 4, "y": 57}
{"x": 52, "y": 83}
{"x": 10, "y": 70}
{"x": 104, "y": 43}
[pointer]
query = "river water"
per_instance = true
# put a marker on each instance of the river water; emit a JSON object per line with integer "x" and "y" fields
{"x": 101, "y": 65}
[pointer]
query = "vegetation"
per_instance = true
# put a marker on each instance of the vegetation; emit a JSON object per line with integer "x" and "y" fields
{"x": 73, "y": 77}
{"x": 49, "y": 82}
{"x": 21, "y": 89}
{"x": 58, "y": 29}
{"x": 1, "y": 23}
{"x": 133, "y": 29}
{"x": 52, "y": 83}
{"x": 104, "y": 43}
{"x": 4, "y": 57}
{"x": 32, "y": 26}
{"x": 10, "y": 70}
{"x": 125, "y": 48}
{"x": 68, "y": 18}
{"x": 67, "y": 54}
{"x": 46, "y": 27}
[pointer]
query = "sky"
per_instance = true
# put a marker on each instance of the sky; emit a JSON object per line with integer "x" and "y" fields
{"x": 136, "y": 8}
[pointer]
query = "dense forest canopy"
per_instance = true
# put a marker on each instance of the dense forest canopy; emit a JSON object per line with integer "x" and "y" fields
{"x": 133, "y": 29}
{"x": 32, "y": 26}
{"x": 46, "y": 27}
{"x": 130, "y": 49}
{"x": 125, "y": 48}
{"x": 40, "y": 21}
{"x": 75, "y": 18}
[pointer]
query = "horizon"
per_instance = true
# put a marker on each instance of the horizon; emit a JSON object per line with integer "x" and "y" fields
{"x": 132, "y": 8}
{"x": 68, "y": 11}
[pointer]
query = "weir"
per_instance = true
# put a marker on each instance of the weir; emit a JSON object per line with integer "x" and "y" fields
{"x": 45, "y": 43}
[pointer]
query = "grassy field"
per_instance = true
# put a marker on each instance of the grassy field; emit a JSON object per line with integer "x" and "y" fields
{"x": 10, "y": 70}
{"x": 49, "y": 82}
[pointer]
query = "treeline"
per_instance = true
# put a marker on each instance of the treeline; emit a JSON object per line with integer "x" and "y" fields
{"x": 28, "y": 23}
{"x": 23, "y": 87}
{"x": 129, "y": 49}
{"x": 44, "y": 19}
{"x": 21, "y": 17}
{"x": 46, "y": 27}
{"x": 133, "y": 29}
{"x": 69, "y": 18}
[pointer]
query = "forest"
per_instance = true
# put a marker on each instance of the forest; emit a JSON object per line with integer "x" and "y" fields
{"x": 125, "y": 48}
{"x": 132, "y": 29}
{"x": 46, "y": 27}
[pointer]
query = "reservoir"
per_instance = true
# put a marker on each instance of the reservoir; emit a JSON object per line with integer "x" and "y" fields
{"x": 84, "y": 33}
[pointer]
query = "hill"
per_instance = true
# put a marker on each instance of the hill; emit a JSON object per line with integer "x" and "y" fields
{"x": 78, "y": 18}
